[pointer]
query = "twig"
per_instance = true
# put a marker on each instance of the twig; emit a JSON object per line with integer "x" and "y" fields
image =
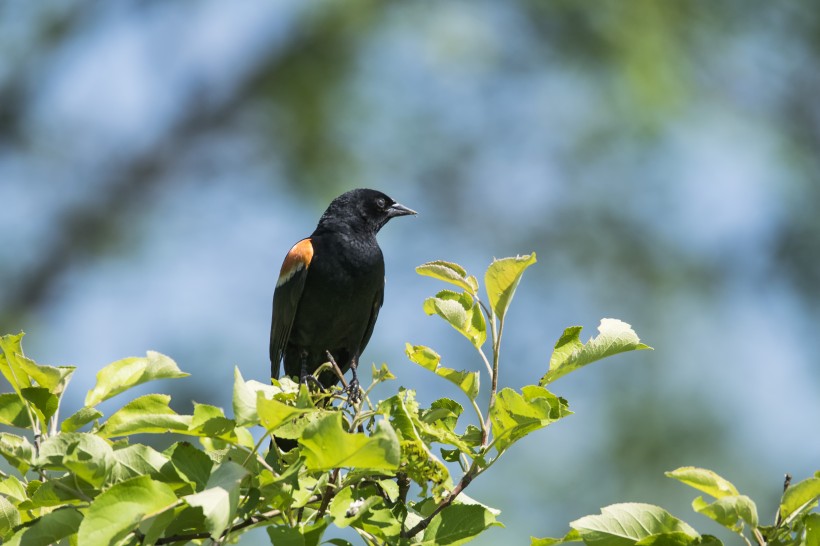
{"x": 336, "y": 368}
{"x": 460, "y": 486}
{"x": 328, "y": 494}
{"x": 245, "y": 523}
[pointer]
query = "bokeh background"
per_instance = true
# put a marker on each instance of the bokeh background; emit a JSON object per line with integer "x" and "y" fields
{"x": 157, "y": 160}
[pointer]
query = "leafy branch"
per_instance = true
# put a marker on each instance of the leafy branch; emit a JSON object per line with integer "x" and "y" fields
{"x": 84, "y": 480}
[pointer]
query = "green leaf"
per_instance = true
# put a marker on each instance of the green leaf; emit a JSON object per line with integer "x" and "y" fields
{"x": 9, "y": 517}
{"x": 514, "y": 415}
{"x": 17, "y": 451}
{"x": 192, "y": 464}
{"x": 273, "y": 413}
{"x": 812, "y": 523}
{"x": 570, "y": 354}
{"x": 20, "y": 371}
{"x": 571, "y": 536}
{"x": 451, "y": 273}
{"x": 244, "y": 398}
{"x": 116, "y": 512}
{"x": 704, "y": 480}
{"x": 303, "y": 535}
{"x": 44, "y": 403}
{"x": 146, "y": 414}
{"x": 81, "y": 418}
{"x": 728, "y": 511}
{"x": 501, "y": 280}
{"x": 427, "y": 358}
{"x": 327, "y": 445}
{"x": 129, "y": 372}
{"x": 462, "y": 312}
{"x": 669, "y": 539}
{"x": 382, "y": 374}
{"x": 220, "y": 498}
{"x": 13, "y": 411}
{"x": 458, "y": 524}
{"x": 625, "y": 524}
{"x": 136, "y": 460}
{"x": 88, "y": 456}
{"x": 210, "y": 421}
{"x": 416, "y": 459}
{"x": 11, "y": 488}
{"x": 48, "y": 529}
{"x": 799, "y": 497}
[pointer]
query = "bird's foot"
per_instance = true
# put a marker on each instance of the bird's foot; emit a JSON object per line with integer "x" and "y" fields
{"x": 308, "y": 380}
{"x": 354, "y": 391}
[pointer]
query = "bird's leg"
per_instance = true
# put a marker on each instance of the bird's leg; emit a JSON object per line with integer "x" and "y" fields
{"x": 354, "y": 393}
{"x": 306, "y": 378}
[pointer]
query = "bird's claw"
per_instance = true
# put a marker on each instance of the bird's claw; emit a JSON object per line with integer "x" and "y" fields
{"x": 354, "y": 391}
{"x": 308, "y": 380}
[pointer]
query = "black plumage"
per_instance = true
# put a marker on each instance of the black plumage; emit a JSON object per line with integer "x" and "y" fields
{"x": 331, "y": 287}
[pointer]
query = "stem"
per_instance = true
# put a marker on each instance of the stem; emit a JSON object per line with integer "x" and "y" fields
{"x": 460, "y": 486}
{"x": 331, "y": 485}
{"x": 494, "y": 375}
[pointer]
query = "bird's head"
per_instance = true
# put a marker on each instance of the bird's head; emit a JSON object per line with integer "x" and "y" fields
{"x": 369, "y": 209}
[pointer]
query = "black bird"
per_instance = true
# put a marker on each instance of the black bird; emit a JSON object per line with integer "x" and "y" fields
{"x": 330, "y": 289}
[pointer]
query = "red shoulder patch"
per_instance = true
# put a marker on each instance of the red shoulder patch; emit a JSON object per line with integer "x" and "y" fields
{"x": 298, "y": 258}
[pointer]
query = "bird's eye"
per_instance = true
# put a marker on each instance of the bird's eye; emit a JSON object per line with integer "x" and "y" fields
{"x": 380, "y": 202}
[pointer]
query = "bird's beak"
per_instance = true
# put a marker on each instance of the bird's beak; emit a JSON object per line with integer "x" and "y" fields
{"x": 397, "y": 209}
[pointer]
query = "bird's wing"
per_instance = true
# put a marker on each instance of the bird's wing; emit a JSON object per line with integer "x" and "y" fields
{"x": 286, "y": 297}
{"x": 374, "y": 314}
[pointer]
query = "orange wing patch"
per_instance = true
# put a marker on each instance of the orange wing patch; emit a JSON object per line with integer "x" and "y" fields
{"x": 298, "y": 258}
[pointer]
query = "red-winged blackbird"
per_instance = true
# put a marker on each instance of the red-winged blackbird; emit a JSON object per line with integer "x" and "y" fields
{"x": 330, "y": 289}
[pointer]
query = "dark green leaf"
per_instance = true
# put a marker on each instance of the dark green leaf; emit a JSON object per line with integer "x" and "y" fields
{"x": 87, "y": 455}
{"x": 13, "y": 411}
{"x": 136, "y": 460}
{"x": 220, "y": 498}
{"x": 192, "y": 464}
{"x": 44, "y": 403}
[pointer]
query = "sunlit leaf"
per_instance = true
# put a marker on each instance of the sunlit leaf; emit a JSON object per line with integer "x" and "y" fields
{"x": 426, "y": 357}
{"x": 129, "y": 372}
{"x": 146, "y": 414}
{"x": 17, "y": 450}
{"x": 728, "y": 511}
{"x": 82, "y": 417}
{"x": 798, "y": 497}
{"x": 245, "y": 396}
{"x": 515, "y": 415}
{"x": 704, "y": 480}
{"x": 627, "y": 523}
{"x": 87, "y": 455}
{"x": 502, "y": 278}
{"x": 327, "y": 445}
{"x": 457, "y": 524}
{"x": 451, "y": 273}
{"x": 22, "y": 372}
{"x": 9, "y": 516}
{"x": 571, "y": 354}
{"x": 462, "y": 312}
